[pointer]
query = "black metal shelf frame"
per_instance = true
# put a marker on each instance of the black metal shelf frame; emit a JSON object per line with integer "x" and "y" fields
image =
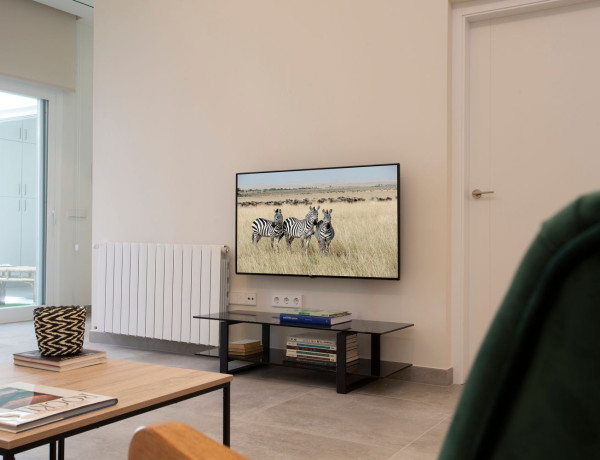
{"x": 347, "y": 378}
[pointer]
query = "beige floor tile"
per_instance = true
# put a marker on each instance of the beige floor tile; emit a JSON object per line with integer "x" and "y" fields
{"x": 354, "y": 417}
{"x": 441, "y": 397}
{"x": 427, "y": 446}
{"x": 258, "y": 442}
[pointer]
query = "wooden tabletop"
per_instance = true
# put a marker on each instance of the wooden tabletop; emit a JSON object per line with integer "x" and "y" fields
{"x": 136, "y": 385}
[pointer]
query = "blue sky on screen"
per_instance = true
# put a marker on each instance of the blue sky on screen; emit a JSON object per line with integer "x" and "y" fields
{"x": 330, "y": 175}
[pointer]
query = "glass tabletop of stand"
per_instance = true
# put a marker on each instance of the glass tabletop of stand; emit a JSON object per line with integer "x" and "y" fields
{"x": 272, "y": 318}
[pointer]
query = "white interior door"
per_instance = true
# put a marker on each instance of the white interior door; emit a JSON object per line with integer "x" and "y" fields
{"x": 534, "y": 139}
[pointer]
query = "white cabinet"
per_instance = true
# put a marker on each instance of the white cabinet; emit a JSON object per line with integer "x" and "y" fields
{"x": 22, "y": 130}
{"x": 11, "y": 158}
{"x": 29, "y": 225}
{"x": 19, "y": 171}
{"x": 30, "y": 130}
{"x": 29, "y": 170}
{"x": 11, "y": 130}
{"x": 10, "y": 231}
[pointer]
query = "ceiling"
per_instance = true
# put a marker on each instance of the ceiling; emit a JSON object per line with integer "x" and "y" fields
{"x": 83, "y": 9}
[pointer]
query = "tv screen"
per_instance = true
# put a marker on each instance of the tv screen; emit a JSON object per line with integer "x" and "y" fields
{"x": 329, "y": 222}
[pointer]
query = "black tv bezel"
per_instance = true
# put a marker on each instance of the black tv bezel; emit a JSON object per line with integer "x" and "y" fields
{"x": 237, "y": 272}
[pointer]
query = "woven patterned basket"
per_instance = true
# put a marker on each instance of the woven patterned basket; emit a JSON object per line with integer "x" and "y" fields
{"x": 59, "y": 330}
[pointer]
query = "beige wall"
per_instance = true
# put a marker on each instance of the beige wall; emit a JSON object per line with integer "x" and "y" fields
{"x": 188, "y": 93}
{"x": 38, "y": 43}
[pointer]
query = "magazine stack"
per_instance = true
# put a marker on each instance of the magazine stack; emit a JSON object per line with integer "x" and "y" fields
{"x": 26, "y": 405}
{"x": 245, "y": 348}
{"x": 319, "y": 348}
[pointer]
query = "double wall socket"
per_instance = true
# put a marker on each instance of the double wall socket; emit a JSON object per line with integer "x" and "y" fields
{"x": 242, "y": 298}
{"x": 287, "y": 300}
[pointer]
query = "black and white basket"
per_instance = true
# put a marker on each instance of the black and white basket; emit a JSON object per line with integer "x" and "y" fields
{"x": 59, "y": 330}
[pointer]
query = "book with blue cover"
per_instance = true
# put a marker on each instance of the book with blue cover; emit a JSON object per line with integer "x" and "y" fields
{"x": 285, "y": 317}
{"x": 326, "y": 313}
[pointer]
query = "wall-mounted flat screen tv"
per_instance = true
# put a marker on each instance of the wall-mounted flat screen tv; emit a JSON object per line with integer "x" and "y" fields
{"x": 339, "y": 222}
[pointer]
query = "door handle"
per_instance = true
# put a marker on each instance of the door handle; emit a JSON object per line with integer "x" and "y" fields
{"x": 477, "y": 193}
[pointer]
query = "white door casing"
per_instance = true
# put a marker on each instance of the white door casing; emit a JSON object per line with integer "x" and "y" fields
{"x": 495, "y": 144}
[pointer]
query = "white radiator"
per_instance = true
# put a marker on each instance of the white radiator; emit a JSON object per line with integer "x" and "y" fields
{"x": 154, "y": 290}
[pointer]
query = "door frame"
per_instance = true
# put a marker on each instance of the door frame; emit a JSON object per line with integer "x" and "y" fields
{"x": 52, "y": 224}
{"x": 463, "y": 15}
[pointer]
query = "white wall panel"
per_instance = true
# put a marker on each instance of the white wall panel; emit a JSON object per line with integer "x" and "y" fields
{"x": 142, "y": 289}
{"x": 168, "y": 294}
{"x": 177, "y": 292}
{"x": 125, "y": 283}
{"x": 196, "y": 300}
{"x": 159, "y": 299}
{"x": 151, "y": 290}
{"x": 110, "y": 287}
{"x": 134, "y": 283}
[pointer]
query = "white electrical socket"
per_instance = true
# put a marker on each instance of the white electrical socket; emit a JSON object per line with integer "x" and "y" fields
{"x": 242, "y": 298}
{"x": 287, "y": 300}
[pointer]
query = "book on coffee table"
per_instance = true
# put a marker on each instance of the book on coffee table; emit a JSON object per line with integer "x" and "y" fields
{"x": 24, "y": 406}
{"x": 85, "y": 357}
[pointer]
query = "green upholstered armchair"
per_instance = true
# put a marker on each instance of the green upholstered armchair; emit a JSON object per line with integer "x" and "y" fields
{"x": 534, "y": 389}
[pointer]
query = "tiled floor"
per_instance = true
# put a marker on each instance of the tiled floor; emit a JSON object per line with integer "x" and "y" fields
{"x": 278, "y": 413}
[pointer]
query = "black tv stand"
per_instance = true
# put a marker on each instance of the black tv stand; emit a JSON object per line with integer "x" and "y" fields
{"x": 368, "y": 369}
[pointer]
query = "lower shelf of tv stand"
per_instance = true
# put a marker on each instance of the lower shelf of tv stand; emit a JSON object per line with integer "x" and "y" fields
{"x": 345, "y": 379}
{"x": 277, "y": 358}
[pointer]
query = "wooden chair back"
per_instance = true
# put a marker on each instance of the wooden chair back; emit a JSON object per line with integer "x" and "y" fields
{"x": 177, "y": 441}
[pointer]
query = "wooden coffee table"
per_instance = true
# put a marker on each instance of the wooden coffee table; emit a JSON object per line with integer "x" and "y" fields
{"x": 139, "y": 388}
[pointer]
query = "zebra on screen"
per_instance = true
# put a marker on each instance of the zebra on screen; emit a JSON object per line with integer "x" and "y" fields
{"x": 325, "y": 232}
{"x": 303, "y": 229}
{"x": 269, "y": 228}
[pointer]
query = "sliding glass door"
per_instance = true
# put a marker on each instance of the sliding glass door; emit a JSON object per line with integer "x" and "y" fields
{"x": 22, "y": 199}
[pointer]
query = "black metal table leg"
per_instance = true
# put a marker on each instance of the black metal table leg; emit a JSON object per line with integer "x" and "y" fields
{"x": 226, "y": 415}
{"x": 340, "y": 371}
{"x": 375, "y": 355}
{"x": 52, "y": 454}
{"x": 61, "y": 449}
{"x": 223, "y": 346}
{"x": 8, "y": 457}
{"x": 266, "y": 342}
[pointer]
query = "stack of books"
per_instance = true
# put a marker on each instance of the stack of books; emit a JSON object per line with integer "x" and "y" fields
{"x": 315, "y": 317}
{"x": 84, "y": 358}
{"x": 319, "y": 348}
{"x": 27, "y": 405}
{"x": 245, "y": 348}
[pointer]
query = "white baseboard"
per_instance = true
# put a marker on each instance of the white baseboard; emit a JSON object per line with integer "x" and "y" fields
{"x": 427, "y": 375}
{"x": 16, "y": 314}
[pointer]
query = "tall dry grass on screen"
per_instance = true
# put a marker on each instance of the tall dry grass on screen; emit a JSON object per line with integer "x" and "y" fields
{"x": 365, "y": 243}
